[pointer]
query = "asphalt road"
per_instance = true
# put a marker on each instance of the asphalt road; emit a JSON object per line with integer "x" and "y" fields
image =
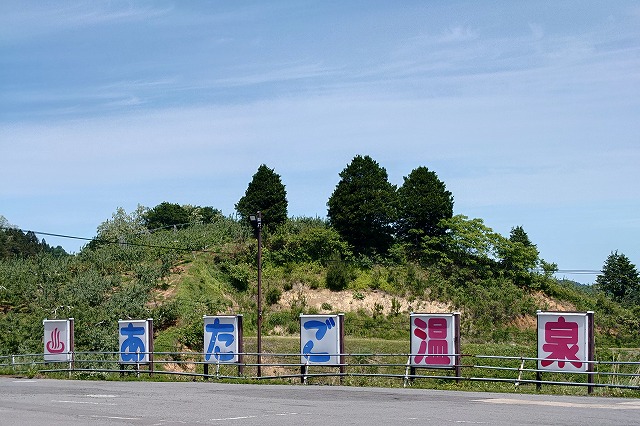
{"x": 67, "y": 402}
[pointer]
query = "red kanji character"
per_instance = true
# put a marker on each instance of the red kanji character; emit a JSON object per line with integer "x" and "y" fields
{"x": 436, "y": 349}
{"x": 561, "y": 341}
{"x": 438, "y": 344}
{"x": 434, "y": 344}
{"x": 437, "y": 328}
{"x": 420, "y": 333}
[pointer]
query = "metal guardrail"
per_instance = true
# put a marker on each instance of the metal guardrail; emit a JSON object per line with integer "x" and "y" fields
{"x": 287, "y": 366}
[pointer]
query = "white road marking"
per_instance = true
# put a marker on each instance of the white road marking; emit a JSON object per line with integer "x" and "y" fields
{"x": 101, "y": 396}
{"x": 82, "y": 402}
{"x": 252, "y": 417}
{"x": 24, "y": 381}
{"x": 232, "y": 418}
{"x": 115, "y": 417}
{"x": 612, "y": 406}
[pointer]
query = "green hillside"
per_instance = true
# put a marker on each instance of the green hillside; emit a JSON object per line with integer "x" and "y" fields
{"x": 207, "y": 266}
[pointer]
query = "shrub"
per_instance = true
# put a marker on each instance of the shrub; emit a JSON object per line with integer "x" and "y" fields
{"x": 338, "y": 276}
{"x": 273, "y": 295}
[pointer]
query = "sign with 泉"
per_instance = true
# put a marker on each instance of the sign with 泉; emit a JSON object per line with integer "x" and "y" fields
{"x": 563, "y": 341}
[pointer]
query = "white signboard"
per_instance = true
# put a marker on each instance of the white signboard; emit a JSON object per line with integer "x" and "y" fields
{"x": 57, "y": 340}
{"x": 133, "y": 339}
{"x": 221, "y": 339}
{"x": 320, "y": 339}
{"x": 433, "y": 340}
{"x": 563, "y": 341}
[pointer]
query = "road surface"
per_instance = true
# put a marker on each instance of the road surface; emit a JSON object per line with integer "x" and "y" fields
{"x": 67, "y": 402}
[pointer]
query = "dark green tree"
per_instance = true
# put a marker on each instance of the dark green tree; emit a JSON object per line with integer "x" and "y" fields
{"x": 518, "y": 235}
{"x": 519, "y": 257}
{"x": 423, "y": 201}
{"x": 166, "y": 215}
{"x": 362, "y": 208}
{"x": 15, "y": 243}
{"x": 620, "y": 279}
{"x": 267, "y": 194}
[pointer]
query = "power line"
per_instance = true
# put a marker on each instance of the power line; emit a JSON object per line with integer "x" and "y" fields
{"x": 128, "y": 243}
{"x": 98, "y": 241}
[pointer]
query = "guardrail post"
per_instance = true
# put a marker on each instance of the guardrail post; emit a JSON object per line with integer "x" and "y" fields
{"x": 517, "y": 383}
{"x": 138, "y": 362}
{"x": 407, "y": 371}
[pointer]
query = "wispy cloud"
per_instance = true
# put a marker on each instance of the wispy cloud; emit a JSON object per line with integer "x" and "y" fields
{"x": 118, "y": 103}
{"x": 274, "y": 73}
{"x": 27, "y": 19}
{"x": 457, "y": 34}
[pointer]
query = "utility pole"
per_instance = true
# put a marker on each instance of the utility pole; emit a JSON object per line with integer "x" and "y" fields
{"x": 257, "y": 223}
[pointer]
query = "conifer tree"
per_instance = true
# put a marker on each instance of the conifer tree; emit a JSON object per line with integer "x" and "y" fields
{"x": 267, "y": 194}
{"x": 362, "y": 208}
{"x": 423, "y": 201}
{"x": 620, "y": 279}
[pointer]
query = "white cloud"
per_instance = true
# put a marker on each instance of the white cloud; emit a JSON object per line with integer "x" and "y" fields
{"x": 536, "y": 116}
{"x": 457, "y": 34}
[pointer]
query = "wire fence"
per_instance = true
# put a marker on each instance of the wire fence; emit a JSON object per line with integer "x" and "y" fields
{"x": 360, "y": 369}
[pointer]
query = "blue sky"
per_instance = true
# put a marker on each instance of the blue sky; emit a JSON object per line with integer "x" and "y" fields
{"x": 528, "y": 111}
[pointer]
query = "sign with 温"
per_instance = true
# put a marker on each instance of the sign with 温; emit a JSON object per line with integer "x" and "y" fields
{"x": 433, "y": 340}
{"x": 133, "y": 340}
{"x": 221, "y": 338}
{"x": 57, "y": 340}
{"x": 563, "y": 341}
{"x": 320, "y": 339}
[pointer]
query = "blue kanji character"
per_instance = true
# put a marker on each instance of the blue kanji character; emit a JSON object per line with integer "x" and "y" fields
{"x": 132, "y": 347}
{"x": 219, "y": 332}
{"x": 321, "y": 328}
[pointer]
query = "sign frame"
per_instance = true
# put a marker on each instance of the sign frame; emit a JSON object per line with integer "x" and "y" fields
{"x": 133, "y": 331}
{"x": 329, "y": 353}
{"x": 585, "y": 341}
{"x": 429, "y": 359}
{"x": 237, "y": 345}
{"x": 57, "y": 347}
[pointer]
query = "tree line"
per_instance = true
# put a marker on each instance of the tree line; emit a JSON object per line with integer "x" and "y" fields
{"x": 415, "y": 221}
{"x": 371, "y": 218}
{"x": 416, "y": 249}
{"x": 17, "y": 243}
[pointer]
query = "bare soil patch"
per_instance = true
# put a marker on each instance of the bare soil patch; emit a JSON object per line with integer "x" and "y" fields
{"x": 326, "y": 301}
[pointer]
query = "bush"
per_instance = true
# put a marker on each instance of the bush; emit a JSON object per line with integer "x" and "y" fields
{"x": 238, "y": 275}
{"x": 273, "y": 296}
{"x": 338, "y": 276}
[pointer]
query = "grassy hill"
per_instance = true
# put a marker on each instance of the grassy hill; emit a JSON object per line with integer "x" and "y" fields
{"x": 177, "y": 276}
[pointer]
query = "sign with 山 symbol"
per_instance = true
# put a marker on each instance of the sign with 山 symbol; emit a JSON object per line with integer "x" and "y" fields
{"x": 58, "y": 340}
